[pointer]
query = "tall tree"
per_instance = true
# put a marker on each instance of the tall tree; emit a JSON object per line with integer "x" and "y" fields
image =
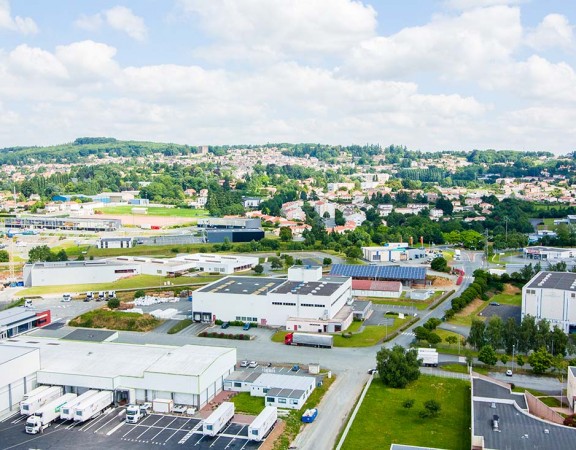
{"x": 398, "y": 366}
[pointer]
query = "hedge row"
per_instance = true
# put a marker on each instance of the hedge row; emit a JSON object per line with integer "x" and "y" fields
{"x": 212, "y": 334}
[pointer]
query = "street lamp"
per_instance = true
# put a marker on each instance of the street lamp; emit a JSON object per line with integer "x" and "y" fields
{"x": 513, "y": 349}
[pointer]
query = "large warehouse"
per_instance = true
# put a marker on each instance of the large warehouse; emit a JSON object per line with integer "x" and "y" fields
{"x": 18, "y": 367}
{"x": 113, "y": 269}
{"x": 548, "y": 253}
{"x": 18, "y": 320}
{"x": 189, "y": 375}
{"x": 63, "y": 223}
{"x": 552, "y": 296}
{"x": 306, "y": 294}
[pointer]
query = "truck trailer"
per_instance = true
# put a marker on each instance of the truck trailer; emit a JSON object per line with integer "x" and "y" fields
{"x": 309, "y": 340}
{"x": 44, "y": 417}
{"x": 429, "y": 356}
{"x": 221, "y": 417}
{"x": 35, "y": 392}
{"x": 33, "y": 404}
{"x": 93, "y": 406}
{"x": 68, "y": 410}
{"x": 262, "y": 424}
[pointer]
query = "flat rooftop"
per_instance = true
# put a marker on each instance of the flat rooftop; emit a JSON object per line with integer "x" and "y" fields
{"x": 550, "y": 249}
{"x": 486, "y": 389}
{"x": 554, "y": 280}
{"x": 286, "y": 393}
{"x": 379, "y": 272}
{"x": 280, "y": 381}
{"x": 109, "y": 360}
{"x": 90, "y": 335}
{"x": 308, "y": 288}
{"x": 13, "y": 315}
{"x": 243, "y": 285}
{"x": 99, "y": 263}
{"x": 9, "y": 353}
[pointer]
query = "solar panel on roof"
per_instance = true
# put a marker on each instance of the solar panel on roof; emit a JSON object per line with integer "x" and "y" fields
{"x": 393, "y": 272}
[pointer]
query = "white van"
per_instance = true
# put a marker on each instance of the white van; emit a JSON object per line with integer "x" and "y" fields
{"x": 66, "y": 297}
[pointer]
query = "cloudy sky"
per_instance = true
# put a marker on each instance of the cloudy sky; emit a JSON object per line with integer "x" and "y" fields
{"x": 428, "y": 74}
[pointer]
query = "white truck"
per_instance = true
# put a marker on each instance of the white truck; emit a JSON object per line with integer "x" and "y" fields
{"x": 93, "y": 406}
{"x": 44, "y": 417}
{"x": 221, "y": 417}
{"x": 457, "y": 255}
{"x": 136, "y": 412}
{"x": 101, "y": 296}
{"x": 429, "y": 356}
{"x": 262, "y": 424}
{"x": 32, "y": 404}
{"x": 68, "y": 410}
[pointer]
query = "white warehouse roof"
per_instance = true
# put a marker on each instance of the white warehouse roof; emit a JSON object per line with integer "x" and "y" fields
{"x": 294, "y": 382}
{"x": 110, "y": 360}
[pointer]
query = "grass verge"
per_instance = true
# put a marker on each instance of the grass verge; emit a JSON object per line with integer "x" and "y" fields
{"x": 382, "y": 420}
{"x": 116, "y": 320}
{"x": 245, "y": 403}
{"x": 156, "y": 211}
{"x": 180, "y": 326}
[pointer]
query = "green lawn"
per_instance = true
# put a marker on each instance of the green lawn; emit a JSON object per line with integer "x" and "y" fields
{"x": 156, "y": 211}
{"x": 139, "y": 281}
{"x": 371, "y": 335}
{"x": 457, "y": 368}
{"x": 466, "y": 320}
{"x": 507, "y": 299}
{"x": 244, "y": 403}
{"x": 382, "y": 420}
{"x": 419, "y": 304}
{"x": 150, "y": 250}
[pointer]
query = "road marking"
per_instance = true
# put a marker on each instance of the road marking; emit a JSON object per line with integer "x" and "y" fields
{"x": 116, "y": 428}
{"x": 167, "y": 427}
{"x": 189, "y": 434}
{"x": 180, "y": 429}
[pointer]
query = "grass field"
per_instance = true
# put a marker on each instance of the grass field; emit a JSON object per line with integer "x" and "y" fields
{"x": 137, "y": 282}
{"x": 507, "y": 299}
{"x": 382, "y": 420}
{"x": 156, "y": 211}
{"x": 150, "y": 250}
{"x": 245, "y": 403}
{"x": 116, "y": 320}
{"x": 419, "y": 304}
{"x": 471, "y": 311}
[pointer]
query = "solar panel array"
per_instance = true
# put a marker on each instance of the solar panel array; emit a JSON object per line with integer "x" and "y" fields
{"x": 379, "y": 272}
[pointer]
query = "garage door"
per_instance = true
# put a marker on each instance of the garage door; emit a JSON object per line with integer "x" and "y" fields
{"x": 185, "y": 399}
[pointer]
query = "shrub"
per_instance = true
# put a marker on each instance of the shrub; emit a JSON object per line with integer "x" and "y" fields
{"x": 113, "y": 303}
{"x": 431, "y": 409}
{"x": 139, "y": 293}
{"x": 409, "y": 403}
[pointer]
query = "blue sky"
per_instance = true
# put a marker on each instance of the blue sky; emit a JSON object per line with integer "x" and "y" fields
{"x": 432, "y": 75}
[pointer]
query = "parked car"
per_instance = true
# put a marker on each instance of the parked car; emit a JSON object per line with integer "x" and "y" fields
{"x": 495, "y": 303}
{"x": 246, "y": 326}
{"x": 509, "y": 373}
{"x": 372, "y": 371}
{"x": 244, "y": 363}
{"x": 225, "y": 325}
{"x": 253, "y": 364}
{"x": 295, "y": 368}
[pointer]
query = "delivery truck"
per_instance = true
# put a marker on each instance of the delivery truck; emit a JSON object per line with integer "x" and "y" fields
{"x": 262, "y": 424}
{"x": 68, "y": 410}
{"x": 44, "y": 417}
{"x": 93, "y": 406}
{"x": 429, "y": 356}
{"x": 136, "y": 412}
{"x": 221, "y": 417}
{"x": 309, "y": 340}
{"x": 33, "y": 404}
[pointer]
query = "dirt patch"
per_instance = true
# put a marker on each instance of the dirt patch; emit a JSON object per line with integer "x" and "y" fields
{"x": 511, "y": 289}
{"x": 439, "y": 281}
{"x": 274, "y": 435}
{"x": 136, "y": 220}
{"x": 471, "y": 308}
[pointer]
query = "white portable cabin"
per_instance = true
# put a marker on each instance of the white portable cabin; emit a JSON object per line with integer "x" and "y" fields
{"x": 213, "y": 424}
{"x": 262, "y": 424}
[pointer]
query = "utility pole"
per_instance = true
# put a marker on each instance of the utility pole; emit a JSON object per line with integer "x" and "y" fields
{"x": 486, "y": 247}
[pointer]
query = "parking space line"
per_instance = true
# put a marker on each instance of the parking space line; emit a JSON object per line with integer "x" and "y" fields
{"x": 215, "y": 440}
{"x": 167, "y": 427}
{"x": 93, "y": 422}
{"x": 116, "y": 428}
{"x": 135, "y": 426}
{"x": 115, "y": 418}
{"x": 149, "y": 427}
{"x": 187, "y": 436}
{"x": 234, "y": 438}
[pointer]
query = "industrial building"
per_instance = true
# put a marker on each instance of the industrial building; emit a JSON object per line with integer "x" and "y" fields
{"x": 502, "y": 419}
{"x": 306, "y": 294}
{"x": 189, "y": 375}
{"x": 234, "y": 235}
{"x": 552, "y": 296}
{"x": 548, "y": 253}
{"x": 77, "y": 272}
{"x": 406, "y": 275}
{"x": 571, "y": 387}
{"x": 62, "y": 223}
{"x": 369, "y": 288}
{"x": 115, "y": 242}
{"x": 113, "y": 269}
{"x": 229, "y": 222}
{"x": 18, "y": 367}
{"x": 283, "y": 391}
{"x": 18, "y": 320}
{"x": 393, "y": 252}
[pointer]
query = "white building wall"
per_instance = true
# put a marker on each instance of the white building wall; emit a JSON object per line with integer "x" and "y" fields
{"x": 86, "y": 274}
{"x": 555, "y": 305}
{"x": 571, "y": 388}
{"x": 382, "y": 294}
{"x": 17, "y": 376}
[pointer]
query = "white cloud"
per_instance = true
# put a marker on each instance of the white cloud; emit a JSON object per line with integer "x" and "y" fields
{"x": 34, "y": 62}
{"x": 118, "y": 18}
{"x": 473, "y": 4}
{"x": 284, "y": 27}
{"x": 463, "y": 46}
{"x": 554, "y": 31}
{"x": 88, "y": 60}
{"x": 24, "y": 25}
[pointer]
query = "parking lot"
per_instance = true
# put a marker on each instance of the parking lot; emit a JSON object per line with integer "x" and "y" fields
{"x": 504, "y": 311}
{"x": 110, "y": 430}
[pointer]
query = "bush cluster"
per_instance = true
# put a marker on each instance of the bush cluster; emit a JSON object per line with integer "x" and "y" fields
{"x": 482, "y": 282}
{"x": 213, "y": 334}
{"x": 236, "y": 323}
